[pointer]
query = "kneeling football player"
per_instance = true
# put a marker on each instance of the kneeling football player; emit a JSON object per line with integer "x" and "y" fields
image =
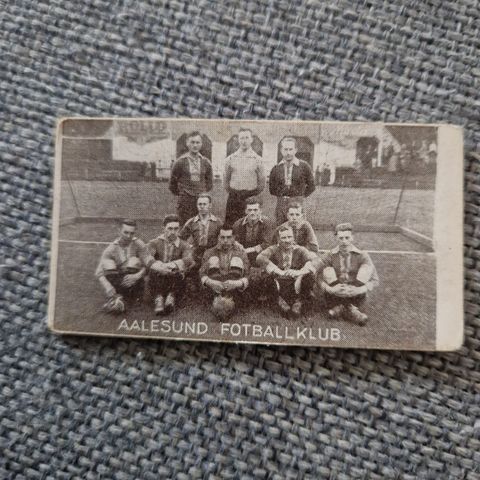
{"x": 201, "y": 231}
{"x": 302, "y": 229}
{"x": 292, "y": 268}
{"x": 224, "y": 273}
{"x": 254, "y": 232}
{"x": 122, "y": 269}
{"x": 173, "y": 258}
{"x": 348, "y": 276}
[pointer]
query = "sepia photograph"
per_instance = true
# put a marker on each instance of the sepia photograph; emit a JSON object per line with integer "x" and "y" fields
{"x": 276, "y": 232}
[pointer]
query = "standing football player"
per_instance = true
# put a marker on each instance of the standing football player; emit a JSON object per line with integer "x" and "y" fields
{"x": 244, "y": 176}
{"x": 191, "y": 174}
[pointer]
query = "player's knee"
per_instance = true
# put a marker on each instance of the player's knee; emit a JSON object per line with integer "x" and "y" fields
{"x": 134, "y": 265}
{"x": 364, "y": 274}
{"x": 329, "y": 275}
{"x": 213, "y": 267}
{"x": 109, "y": 267}
{"x": 237, "y": 268}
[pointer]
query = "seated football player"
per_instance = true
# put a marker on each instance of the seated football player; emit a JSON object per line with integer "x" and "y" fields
{"x": 302, "y": 229}
{"x": 224, "y": 273}
{"x": 254, "y": 232}
{"x": 122, "y": 269}
{"x": 292, "y": 267}
{"x": 201, "y": 232}
{"x": 173, "y": 257}
{"x": 348, "y": 276}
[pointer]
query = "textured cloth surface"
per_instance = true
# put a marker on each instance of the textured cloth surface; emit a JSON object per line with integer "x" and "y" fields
{"x": 99, "y": 408}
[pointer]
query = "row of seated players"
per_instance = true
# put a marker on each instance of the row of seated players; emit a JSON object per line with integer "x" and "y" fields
{"x": 234, "y": 263}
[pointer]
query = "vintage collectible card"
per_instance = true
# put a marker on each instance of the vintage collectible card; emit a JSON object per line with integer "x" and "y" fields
{"x": 273, "y": 232}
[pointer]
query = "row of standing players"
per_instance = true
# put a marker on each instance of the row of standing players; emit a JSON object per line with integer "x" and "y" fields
{"x": 244, "y": 176}
{"x": 251, "y": 260}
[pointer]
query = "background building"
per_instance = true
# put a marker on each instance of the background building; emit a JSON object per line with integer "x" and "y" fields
{"x": 351, "y": 155}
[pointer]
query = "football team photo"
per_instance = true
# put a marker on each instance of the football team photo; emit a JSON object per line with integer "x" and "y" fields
{"x": 303, "y": 233}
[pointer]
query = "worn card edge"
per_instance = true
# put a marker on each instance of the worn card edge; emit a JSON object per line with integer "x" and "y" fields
{"x": 449, "y": 336}
{"x": 57, "y": 167}
{"x": 448, "y": 237}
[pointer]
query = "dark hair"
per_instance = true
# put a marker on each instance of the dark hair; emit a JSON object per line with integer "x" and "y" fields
{"x": 253, "y": 201}
{"x": 283, "y": 228}
{"x": 289, "y": 139}
{"x": 195, "y": 133}
{"x": 170, "y": 218}
{"x": 294, "y": 205}
{"x": 205, "y": 195}
{"x": 129, "y": 222}
{"x": 227, "y": 226}
{"x": 246, "y": 130}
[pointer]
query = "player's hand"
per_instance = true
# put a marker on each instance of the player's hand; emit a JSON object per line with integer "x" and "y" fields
{"x": 159, "y": 267}
{"x": 130, "y": 280}
{"x": 360, "y": 290}
{"x": 338, "y": 290}
{"x": 345, "y": 291}
{"x": 292, "y": 273}
{"x": 277, "y": 272}
{"x": 230, "y": 285}
{"x": 156, "y": 266}
{"x": 215, "y": 285}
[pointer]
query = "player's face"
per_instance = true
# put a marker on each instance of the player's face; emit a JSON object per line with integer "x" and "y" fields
{"x": 127, "y": 233}
{"x": 345, "y": 239}
{"x": 171, "y": 231}
{"x": 294, "y": 216}
{"x": 194, "y": 144}
{"x": 288, "y": 150}
{"x": 203, "y": 205}
{"x": 245, "y": 140}
{"x": 253, "y": 212}
{"x": 226, "y": 239}
{"x": 286, "y": 239}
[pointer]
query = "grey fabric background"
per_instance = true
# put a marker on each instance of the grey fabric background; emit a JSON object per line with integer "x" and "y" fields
{"x": 95, "y": 408}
